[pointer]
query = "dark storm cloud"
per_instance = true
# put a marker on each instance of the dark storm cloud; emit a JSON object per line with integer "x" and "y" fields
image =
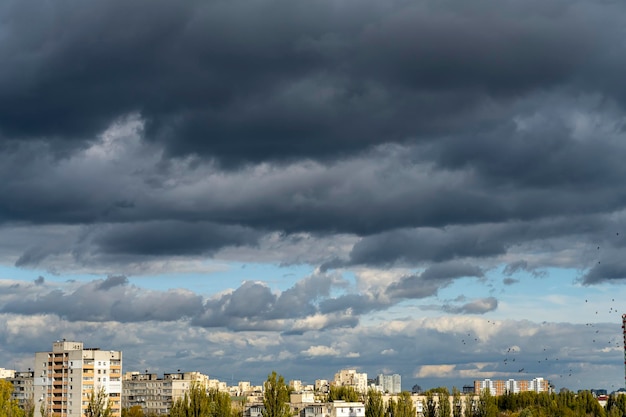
{"x": 607, "y": 270}
{"x": 273, "y": 79}
{"x": 431, "y": 280}
{"x": 425, "y": 245}
{"x": 254, "y": 306}
{"x": 111, "y": 282}
{"x": 172, "y": 238}
{"x": 105, "y": 300}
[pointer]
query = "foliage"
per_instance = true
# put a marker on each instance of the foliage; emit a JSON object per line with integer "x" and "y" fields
{"x": 374, "y": 407}
{"x": 8, "y": 407}
{"x": 430, "y": 408}
{"x": 201, "y": 403}
{"x": 486, "y": 406}
{"x": 403, "y": 406}
{"x": 134, "y": 411}
{"x": 341, "y": 393}
{"x": 457, "y": 405}
{"x": 276, "y": 397}
{"x": 443, "y": 407}
{"x": 98, "y": 405}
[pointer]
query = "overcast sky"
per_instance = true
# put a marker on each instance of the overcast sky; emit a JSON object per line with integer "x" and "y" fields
{"x": 429, "y": 188}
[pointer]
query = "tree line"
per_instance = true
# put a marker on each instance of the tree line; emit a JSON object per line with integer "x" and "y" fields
{"x": 438, "y": 402}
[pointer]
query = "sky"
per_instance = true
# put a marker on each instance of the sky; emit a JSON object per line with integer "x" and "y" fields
{"x": 433, "y": 188}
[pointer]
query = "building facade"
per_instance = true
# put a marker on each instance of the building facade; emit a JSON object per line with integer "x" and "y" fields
{"x": 23, "y": 390}
{"x": 391, "y": 384}
{"x": 512, "y": 386}
{"x": 66, "y": 378}
{"x": 157, "y": 395}
{"x": 351, "y": 378}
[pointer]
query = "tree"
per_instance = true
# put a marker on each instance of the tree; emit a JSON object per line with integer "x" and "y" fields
{"x": 486, "y": 406}
{"x": 341, "y": 393}
{"x": 403, "y": 406}
{"x": 276, "y": 397}
{"x": 8, "y": 406}
{"x": 134, "y": 411}
{"x": 374, "y": 406}
{"x": 457, "y": 405}
{"x": 98, "y": 405}
{"x": 443, "y": 407}
{"x": 430, "y": 410}
{"x": 201, "y": 403}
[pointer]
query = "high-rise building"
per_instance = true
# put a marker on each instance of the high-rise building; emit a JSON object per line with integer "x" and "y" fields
{"x": 67, "y": 377}
{"x": 351, "y": 378}
{"x": 22, "y": 388}
{"x": 157, "y": 395}
{"x": 512, "y": 386}
{"x": 391, "y": 384}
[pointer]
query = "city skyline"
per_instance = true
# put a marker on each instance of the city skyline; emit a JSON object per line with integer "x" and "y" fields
{"x": 428, "y": 188}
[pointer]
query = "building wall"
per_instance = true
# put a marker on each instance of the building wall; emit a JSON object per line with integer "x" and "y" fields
{"x": 66, "y": 377}
{"x": 23, "y": 391}
{"x": 501, "y": 387}
{"x": 157, "y": 395}
{"x": 351, "y": 378}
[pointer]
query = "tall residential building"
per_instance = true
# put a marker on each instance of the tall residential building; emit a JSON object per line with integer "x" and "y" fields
{"x": 157, "y": 395}
{"x": 391, "y": 384}
{"x": 500, "y": 387}
{"x": 6, "y": 373}
{"x": 23, "y": 390}
{"x": 67, "y": 376}
{"x": 351, "y": 378}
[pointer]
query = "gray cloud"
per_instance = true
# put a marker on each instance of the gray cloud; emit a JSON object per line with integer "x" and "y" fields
{"x": 105, "y": 300}
{"x": 479, "y": 306}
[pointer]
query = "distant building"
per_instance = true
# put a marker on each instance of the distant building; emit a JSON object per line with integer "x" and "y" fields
{"x": 512, "y": 386}
{"x": 391, "y": 384}
{"x": 6, "y": 373}
{"x": 157, "y": 395}
{"x": 66, "y": 377}
{"x": 351, "y": 378}
{"x": 346, "y": 409}
{"x": 23, "y": 390}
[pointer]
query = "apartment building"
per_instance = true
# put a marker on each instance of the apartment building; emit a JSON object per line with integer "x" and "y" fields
{"x": 157, "y": 395}
{"x": 351, "y": 378}
{"x": 391, "y": 384}
{"x": 23, "y": 390}
{"x": 501, "y": 387}
{"x": 6, "y": 373}
{"x": 66, "y": 377}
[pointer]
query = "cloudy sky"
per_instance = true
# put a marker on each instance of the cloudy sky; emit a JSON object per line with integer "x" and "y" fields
{"x": 429, "y": 188}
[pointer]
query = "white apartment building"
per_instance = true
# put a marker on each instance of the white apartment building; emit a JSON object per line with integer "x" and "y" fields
{"x": 391, "y": 384}
{"x": 66, "y": 377}
{"x": 351, "y": 378}
{"x": 157, "y": 395}
{"x": 23, "y": 390}
{"x": 6, "y": 373}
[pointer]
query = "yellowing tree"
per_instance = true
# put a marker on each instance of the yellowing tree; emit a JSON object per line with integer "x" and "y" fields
{"x": 8, "y": 407}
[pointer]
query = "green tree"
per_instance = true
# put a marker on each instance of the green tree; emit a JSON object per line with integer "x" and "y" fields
{"x": 486, "y": 406}
{"x": 276, "y": 397}
{"x": 201, "y": 403}
{"x": 457, "y": 404}
{"x": 430, "y": 409}
{"x": 374, "y": 407}
{"x": 470, "y": 406}
{"x": 342, "y": 393}
{"x": 8, "y": 407}
{"x": 443, "y": 407}
{"x": 134, "y": 411}
{"x": 403, "y": 406}
{"x": 98, "y": 405}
